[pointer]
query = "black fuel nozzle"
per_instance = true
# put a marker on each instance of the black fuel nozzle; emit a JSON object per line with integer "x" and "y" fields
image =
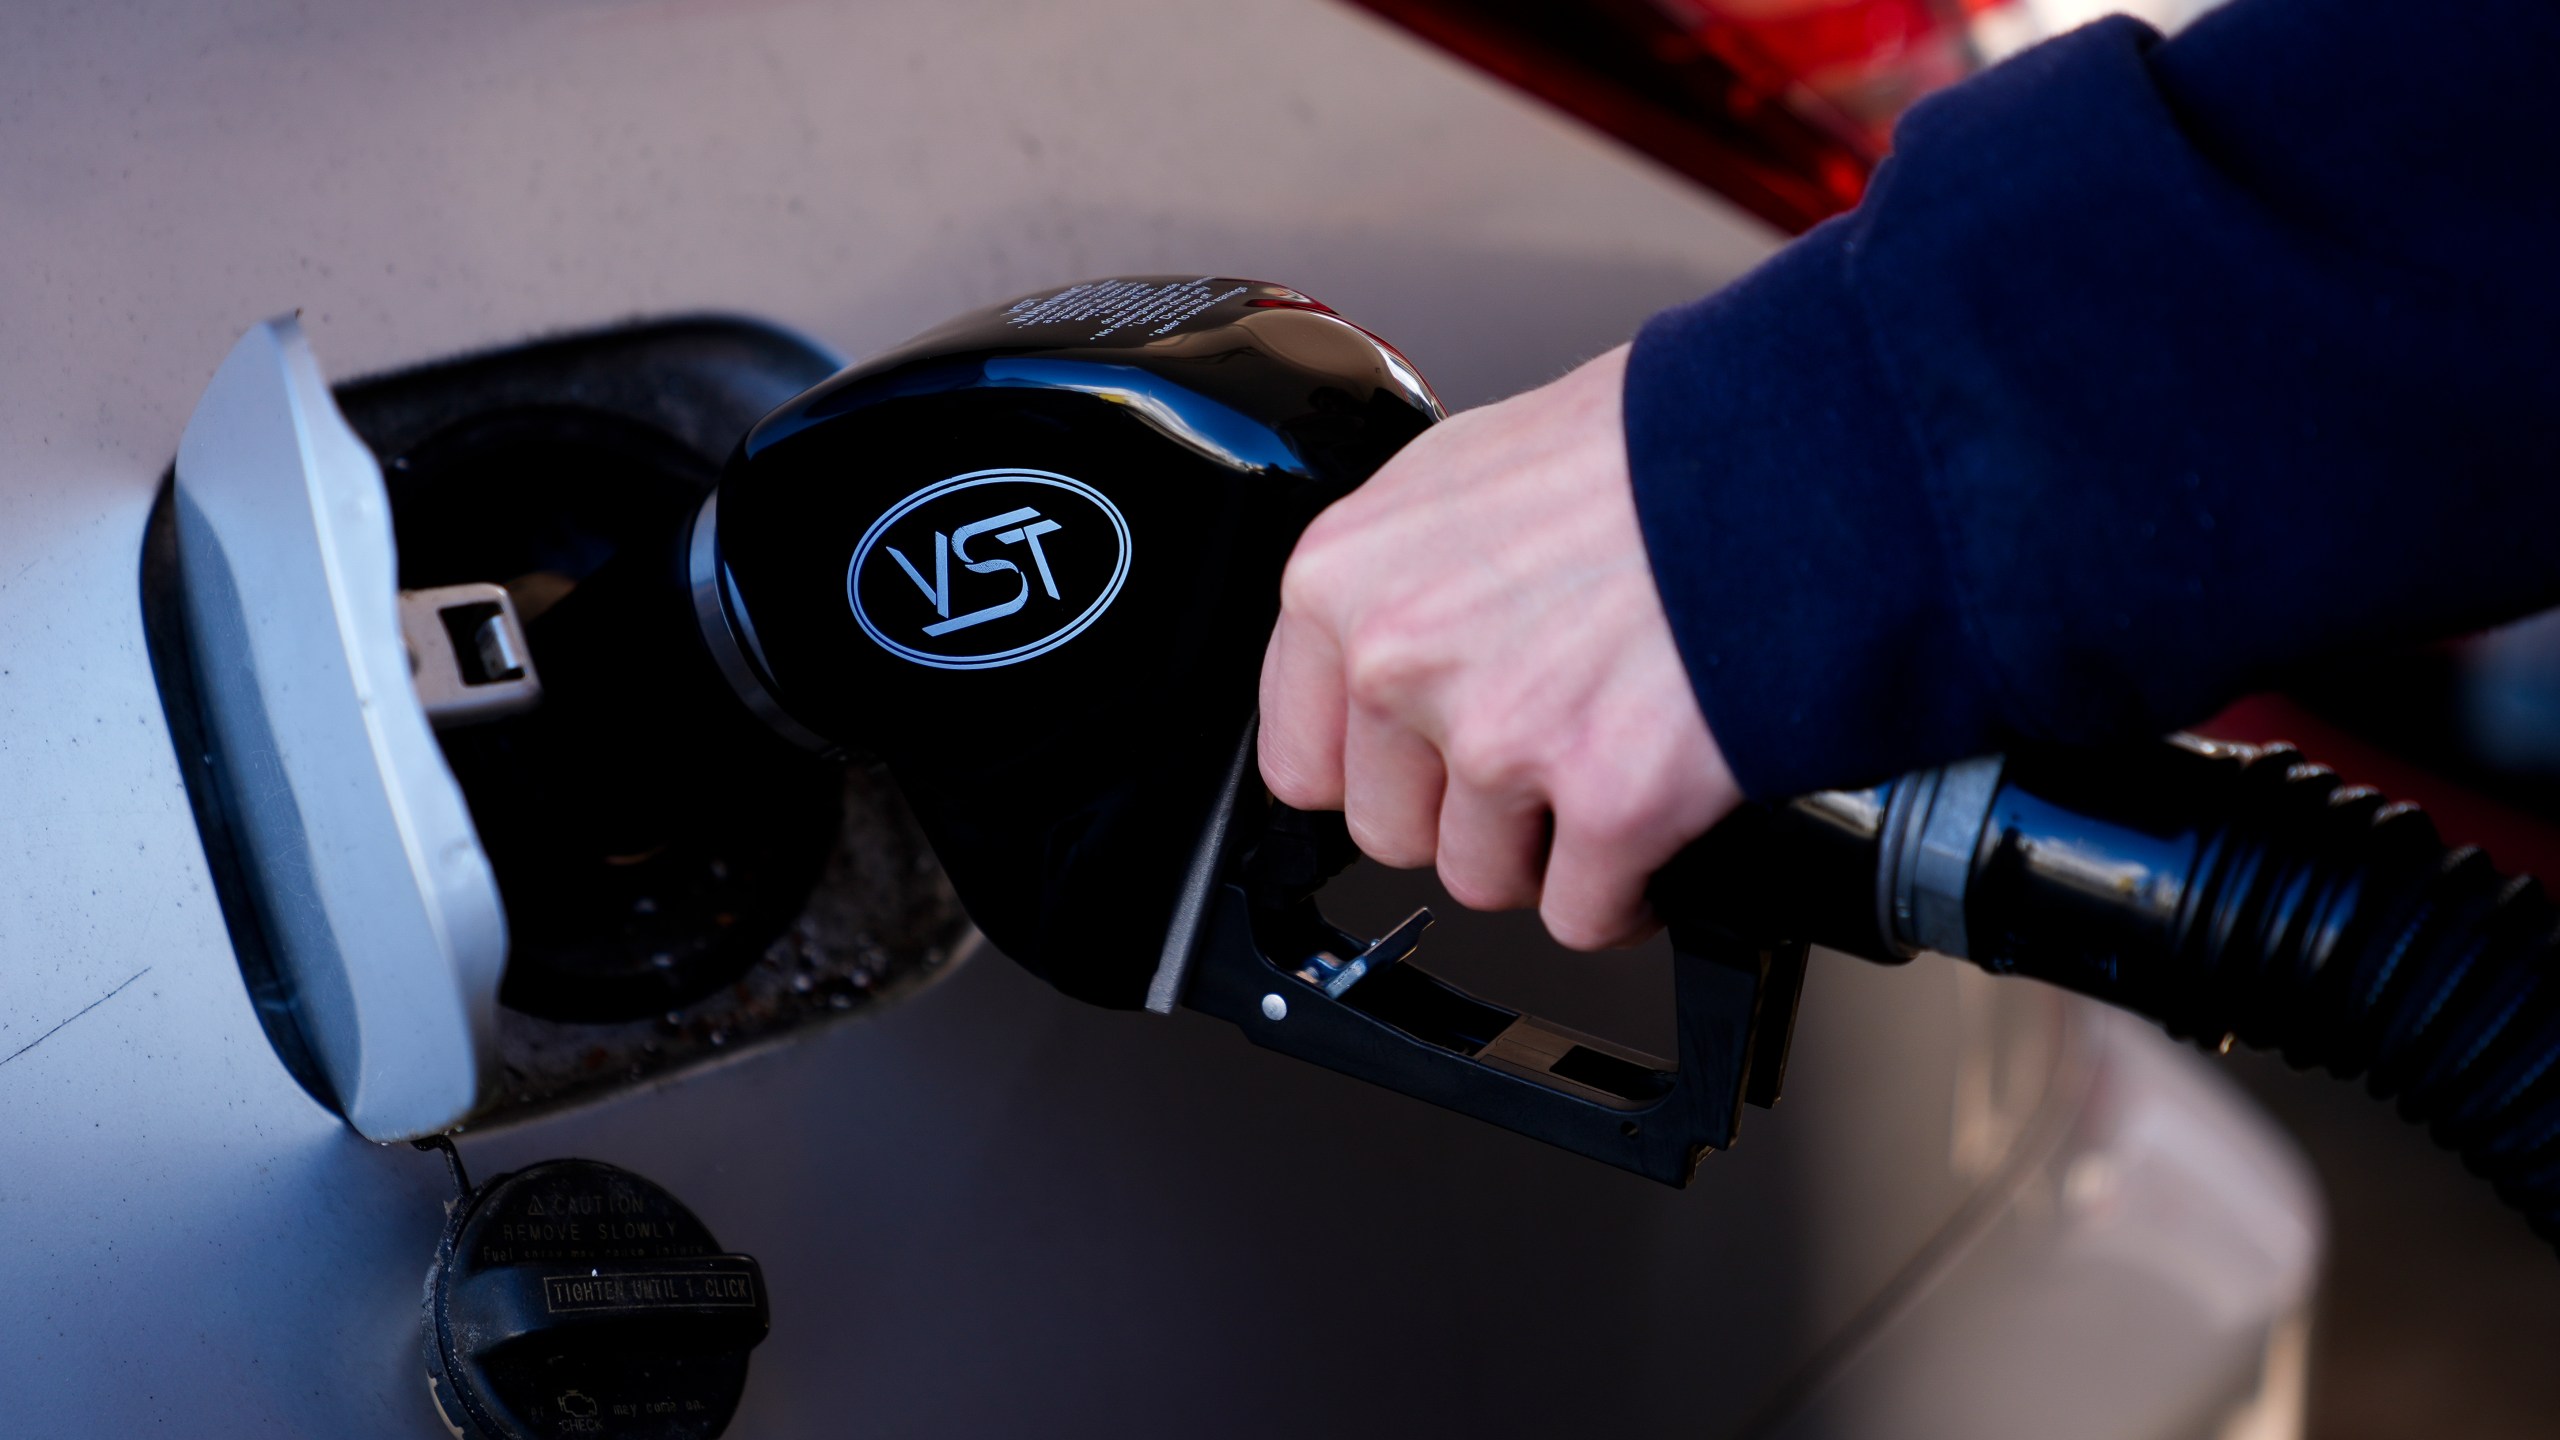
{"x": 1026, "y": 561}
{"x": 1029, "y": 562}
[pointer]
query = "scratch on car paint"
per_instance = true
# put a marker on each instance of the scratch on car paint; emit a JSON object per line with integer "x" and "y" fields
{"x": 76, "y": 1014}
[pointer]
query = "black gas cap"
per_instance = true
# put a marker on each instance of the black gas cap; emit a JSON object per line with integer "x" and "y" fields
{"x": 576, "y": 1299}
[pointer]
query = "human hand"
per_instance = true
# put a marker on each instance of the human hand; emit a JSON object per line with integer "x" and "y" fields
{"x": 1473, "y": 664}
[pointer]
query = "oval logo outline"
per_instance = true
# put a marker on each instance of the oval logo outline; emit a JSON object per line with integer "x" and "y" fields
{"x": 865, "y": 548}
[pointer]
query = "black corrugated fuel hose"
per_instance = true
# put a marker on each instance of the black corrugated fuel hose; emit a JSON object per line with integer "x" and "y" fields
{"x": 2227, "y": 892}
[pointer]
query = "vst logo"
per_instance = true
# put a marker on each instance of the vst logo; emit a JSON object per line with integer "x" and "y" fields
{"x": 989, "y": 568}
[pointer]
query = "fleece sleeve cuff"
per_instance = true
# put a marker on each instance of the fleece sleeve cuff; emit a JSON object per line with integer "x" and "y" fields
{"x": 1786, "y": 513}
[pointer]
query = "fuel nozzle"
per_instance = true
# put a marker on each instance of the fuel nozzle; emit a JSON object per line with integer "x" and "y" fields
{"x": 1026, "y": 561}
{"x": 1029, "y": 562}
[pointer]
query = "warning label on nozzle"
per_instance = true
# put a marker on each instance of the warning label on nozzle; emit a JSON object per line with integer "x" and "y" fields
{"x": 1132, "y": 309}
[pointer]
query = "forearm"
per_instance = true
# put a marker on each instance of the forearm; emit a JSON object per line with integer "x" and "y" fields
{"x": 2146, "y": 370}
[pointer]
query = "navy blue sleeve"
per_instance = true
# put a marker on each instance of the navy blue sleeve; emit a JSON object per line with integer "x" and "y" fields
{"x": 2147, "y": 370}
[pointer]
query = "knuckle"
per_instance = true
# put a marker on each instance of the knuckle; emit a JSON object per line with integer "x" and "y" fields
{"x": 1341, "y": 532}
{"x": 1381, "y": 661}
{"x": 1487, "y": 755}
{"x": 1608, "y": 815}
{"x": 1321, "y": 566}
{"x": 1304, "y": 581}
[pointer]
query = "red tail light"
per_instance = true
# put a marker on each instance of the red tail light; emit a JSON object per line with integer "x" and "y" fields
{"x": 1782, "y": 106}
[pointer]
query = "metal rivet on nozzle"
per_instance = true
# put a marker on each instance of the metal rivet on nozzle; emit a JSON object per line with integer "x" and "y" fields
{"x": 1274, "y": 1008}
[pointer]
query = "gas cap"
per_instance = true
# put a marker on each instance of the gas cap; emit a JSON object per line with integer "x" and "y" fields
{"x": 577, "y": 1299}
